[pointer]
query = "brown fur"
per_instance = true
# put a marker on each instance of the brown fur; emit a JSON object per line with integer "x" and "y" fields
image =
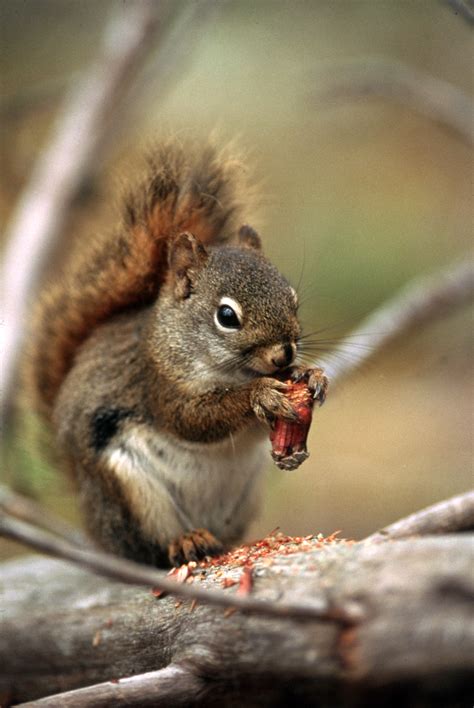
{"x": 184, "y": 189}
{"x": 154, "y": 399}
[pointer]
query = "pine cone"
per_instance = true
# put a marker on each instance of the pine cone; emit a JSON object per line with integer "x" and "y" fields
{"x": 289, "y": 438}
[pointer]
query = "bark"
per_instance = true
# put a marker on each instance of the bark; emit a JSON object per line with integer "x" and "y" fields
{"x": 413, "y": 640}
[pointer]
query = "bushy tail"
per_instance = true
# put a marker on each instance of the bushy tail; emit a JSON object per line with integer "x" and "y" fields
{"x": 185, "y": 188}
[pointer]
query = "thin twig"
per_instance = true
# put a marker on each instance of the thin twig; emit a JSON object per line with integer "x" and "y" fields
{"x": 438, "y": 100}
{"x": 26, "y": 510}
{"x": 419, "y": 303}
{"x": 449, "y": 516}
{"x": 135, "y": 574}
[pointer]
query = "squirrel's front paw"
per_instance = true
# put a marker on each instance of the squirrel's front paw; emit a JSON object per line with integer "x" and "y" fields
{"x": 269, "y": 402}
{"x": 193, "y": 546}
{"x": 315, "y": 379}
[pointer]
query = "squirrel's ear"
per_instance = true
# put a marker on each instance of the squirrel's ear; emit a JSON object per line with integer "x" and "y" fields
{"x": 249, "y": 238}
{"x": 186, "y": 257}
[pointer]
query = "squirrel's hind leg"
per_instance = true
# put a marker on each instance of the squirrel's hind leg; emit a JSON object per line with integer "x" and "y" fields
{"x": 194, "y": 546}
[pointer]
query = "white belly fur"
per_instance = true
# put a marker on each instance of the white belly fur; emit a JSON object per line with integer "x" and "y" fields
{"x": 174, "y": 486}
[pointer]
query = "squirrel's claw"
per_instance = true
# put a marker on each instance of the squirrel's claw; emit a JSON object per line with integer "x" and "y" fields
{"x": 315, "y": 379}
{"x": 318, "y": 384}
{"x": 269, "y": 402}
{"x": 193, "y": 546}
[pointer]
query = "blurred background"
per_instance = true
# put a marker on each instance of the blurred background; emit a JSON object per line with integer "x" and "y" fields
{"x": 365, "y": 186}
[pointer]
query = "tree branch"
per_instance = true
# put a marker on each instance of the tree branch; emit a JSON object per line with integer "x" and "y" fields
{"x": 449, "y": 516}
{"x": 417, "y": 305}
{"x": 63, "y": 629}
{"x": 456, "y": 514}
{"x": 90, "y": 114}
{"x": 59, "y": 174}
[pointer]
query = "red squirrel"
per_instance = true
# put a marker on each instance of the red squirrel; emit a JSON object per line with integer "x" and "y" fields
{"x": 156, "y": 359}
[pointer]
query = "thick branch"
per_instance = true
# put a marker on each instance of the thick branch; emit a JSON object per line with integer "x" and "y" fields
{"x": 373, "y": 613}
{"x": 63, "y": 628}
{"x": 451, "y": 515}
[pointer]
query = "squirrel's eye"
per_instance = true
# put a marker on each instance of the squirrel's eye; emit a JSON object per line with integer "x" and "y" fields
{"x": 227, "y": 317}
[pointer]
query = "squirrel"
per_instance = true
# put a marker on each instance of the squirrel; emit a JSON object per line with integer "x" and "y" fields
{"x": 157, "y": 357}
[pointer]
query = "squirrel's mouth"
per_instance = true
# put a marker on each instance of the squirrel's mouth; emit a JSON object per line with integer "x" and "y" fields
{"x": 272, "y": 359}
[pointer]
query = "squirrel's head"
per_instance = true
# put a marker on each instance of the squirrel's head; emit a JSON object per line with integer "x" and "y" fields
{"x": 235, "y": 314}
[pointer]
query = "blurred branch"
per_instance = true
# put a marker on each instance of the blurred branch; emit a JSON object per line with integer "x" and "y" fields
{"x": 449, "y": 516}
{"x": 437, "y": 99}
{"x": 63, "y": 166}
{"x": 133, "y": 573}
{"x": 463, "y": 8}
{"x": 171, "y": 58}
{"x": 91, "y": 113}
{"x": 419, "y": 303}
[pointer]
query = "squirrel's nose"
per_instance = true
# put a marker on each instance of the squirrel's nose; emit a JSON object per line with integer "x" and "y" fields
{"x": 284, "y": 355}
